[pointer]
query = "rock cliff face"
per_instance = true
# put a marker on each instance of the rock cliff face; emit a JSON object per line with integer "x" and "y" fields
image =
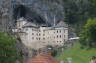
{"x": 38, "y": 11}
{"x": 4, "y": 14}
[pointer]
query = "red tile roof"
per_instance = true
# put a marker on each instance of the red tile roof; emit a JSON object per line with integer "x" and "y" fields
{"x": 43, "y": 58}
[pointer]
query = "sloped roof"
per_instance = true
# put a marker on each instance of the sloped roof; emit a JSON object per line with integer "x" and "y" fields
{"x": 43, "y": 58}
{"x": 22, "y": 19}
{"x": 62, "y": 24}
{"x": 30, "y": 24}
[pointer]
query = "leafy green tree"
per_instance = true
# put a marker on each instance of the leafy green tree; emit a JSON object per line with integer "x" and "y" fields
{"x": 88, "y": 34}
{"x": 8, "y": 52}
{"x": 92, "y": 8}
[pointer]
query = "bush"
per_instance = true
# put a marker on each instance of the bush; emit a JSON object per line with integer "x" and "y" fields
{"x": 88, "y": 34}
{"x": 8, "y": 52}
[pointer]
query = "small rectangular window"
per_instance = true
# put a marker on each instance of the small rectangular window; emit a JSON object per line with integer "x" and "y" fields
{"x": 32, "y": 33}
{"x": 43, "y": 38}
{"x": 43, "y": 34}
{"x": 32, "y": 37}
{"x": 60, "y": 36}
{"x": 39, "y": 38}
{"x": 43, "y": 30}
{"x": 57, "y": 36}
{"x": 64, "y": 36}
{"x": 60, "y": 31}
{"x": 57, "y": 31}
{"x": 37, "y": 34}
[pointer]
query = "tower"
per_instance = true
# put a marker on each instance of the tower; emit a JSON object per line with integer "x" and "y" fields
{"x": 54, "y": 21}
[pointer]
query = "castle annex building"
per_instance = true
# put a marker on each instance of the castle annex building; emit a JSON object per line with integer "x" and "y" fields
{"x": 36, "y": 37}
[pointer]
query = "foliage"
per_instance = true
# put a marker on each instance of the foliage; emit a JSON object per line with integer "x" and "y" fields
{"x": 92, "y": 9}
{"x": 78, "y": 11}
{"x": 8, "y": 52}
{"x": 53, "y": 50}
{"x": 77, "y": 54}
{"x": 75, "y": 11}
{"x": 88, "y": 34}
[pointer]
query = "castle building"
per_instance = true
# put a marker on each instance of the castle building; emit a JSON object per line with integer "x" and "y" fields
{"x": 36, "y": 37}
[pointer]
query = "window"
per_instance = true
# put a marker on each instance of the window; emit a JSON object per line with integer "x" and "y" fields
{"x": 32, "y": 37}
{"x": 39, "y": 34}
{"x": 57, "y": 36}
{"x": 43, "y": 34}
{"x": 32, "y": 33}
{"x": 60, "y": 36}
{"x": 43, "y": 38}
{"x": 57, "y": 31}
{"x": 60, "y": 31}
{"x": 64, "y": 36}
{"x": 43, "y": 30}
{"x": 39, "y": 30}
{"x": 26, "y": 33}
{"x": 39, "y": 38}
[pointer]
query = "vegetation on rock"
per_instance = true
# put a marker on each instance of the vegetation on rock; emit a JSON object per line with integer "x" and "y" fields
{"x": 88, "y": 34}
{"x": 8, "y": 51}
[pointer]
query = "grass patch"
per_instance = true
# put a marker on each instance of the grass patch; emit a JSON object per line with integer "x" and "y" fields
{"x": 78, "y": 54}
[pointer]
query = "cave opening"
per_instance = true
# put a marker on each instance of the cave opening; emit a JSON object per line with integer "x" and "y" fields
{"x": 19, "y": 11}
{"x": 27, "y": 13}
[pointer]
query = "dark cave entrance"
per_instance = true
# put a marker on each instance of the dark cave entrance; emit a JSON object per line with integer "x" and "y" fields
{"x": 19, "y": 11}
{"x": 27, "y": 13}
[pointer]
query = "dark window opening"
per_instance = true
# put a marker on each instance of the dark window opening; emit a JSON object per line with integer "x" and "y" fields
{"x": 60, "y": 36}
{"x": 57, "y": 31}
{"x": 32, "y": 33}
{"x": 57, "y": 36}
{"x": 43, "y": 38}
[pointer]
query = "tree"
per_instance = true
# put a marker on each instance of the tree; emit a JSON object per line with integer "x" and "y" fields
{"x": 88, "y": 34}
{"x": 8, "y": 52}
{"x": 92, "y": 8}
